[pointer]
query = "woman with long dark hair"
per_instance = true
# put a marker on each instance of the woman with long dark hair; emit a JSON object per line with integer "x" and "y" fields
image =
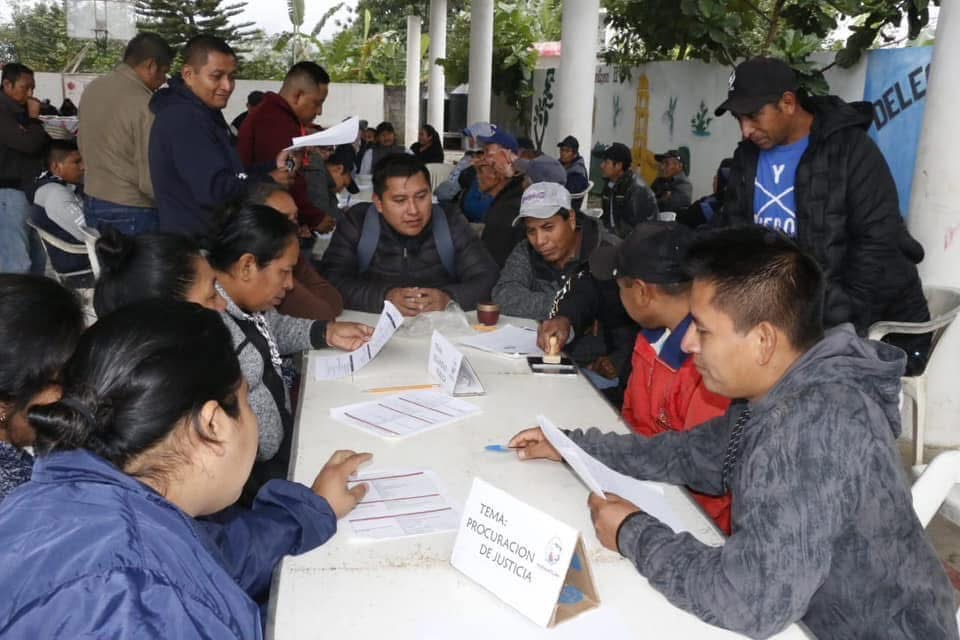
{"x": 158, "y": 265}
{"x": 154, "y": 428}
{"x": 429, "y": 145}
{"x": 254, "y": 255}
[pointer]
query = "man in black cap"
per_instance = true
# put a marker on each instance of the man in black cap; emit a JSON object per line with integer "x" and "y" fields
{"x": 572, "y": 161}
{"x": 672, "y": 188}
{"x": 627, "y": 200}
{"x": 807, "y": 167}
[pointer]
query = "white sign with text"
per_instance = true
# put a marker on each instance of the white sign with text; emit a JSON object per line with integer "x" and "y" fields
{"x": 447, "y": 366}
{"x": 527, "y": 558}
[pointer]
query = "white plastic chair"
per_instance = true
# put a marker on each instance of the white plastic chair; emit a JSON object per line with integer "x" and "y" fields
{"x": 90, "y": 237}
{"x": 936, "y": 488}
{"x": 944, "y": 304}
{"x": 439, "y": 172}
{"x": 49, "y": 240}
{"x": 583, "y": 194}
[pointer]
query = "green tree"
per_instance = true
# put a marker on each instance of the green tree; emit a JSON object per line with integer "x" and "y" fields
{"x": 36, "y": 35}
{"x": 179, "y": 20}
{"x": 355, "y": 54}
{"x": 391, "y": 15}
{"x": 264, "y": 61}
{"x": 298, "y": 40}
{"x": 728, "y": 30}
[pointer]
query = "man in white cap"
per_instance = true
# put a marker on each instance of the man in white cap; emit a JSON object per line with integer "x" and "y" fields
{"x": 555, "y": 249}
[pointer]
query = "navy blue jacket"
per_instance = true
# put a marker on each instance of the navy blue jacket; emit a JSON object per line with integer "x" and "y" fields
{"x": 193, "y": 164}
{"x": 89, "y": 551}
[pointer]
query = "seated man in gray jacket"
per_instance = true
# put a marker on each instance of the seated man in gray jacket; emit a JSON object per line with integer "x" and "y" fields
{"x": 555, "y": 250}
{"x": 823, "y": 527}
{"x": 404, "y": 249}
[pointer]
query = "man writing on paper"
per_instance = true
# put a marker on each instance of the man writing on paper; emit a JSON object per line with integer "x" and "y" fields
{"x": 823, "y": 523}
{"x": 404, "y": 249}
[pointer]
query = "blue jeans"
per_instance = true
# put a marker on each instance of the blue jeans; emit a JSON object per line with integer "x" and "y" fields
{"x": 131, "y": 221}
{"x": 20, "y": 248}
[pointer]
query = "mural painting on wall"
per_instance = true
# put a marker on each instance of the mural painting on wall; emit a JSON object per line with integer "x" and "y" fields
{"x": 670, "y": 114}
{"x": 643, "y": 161}
{"x": 541, "y": 110}
{"x": 616, "y": 110}
{"x": 700, "y": 123}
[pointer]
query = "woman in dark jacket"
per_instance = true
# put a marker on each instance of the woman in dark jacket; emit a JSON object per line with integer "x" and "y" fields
{"x": 153, "y": 429}
{"x": 428, "y": 147}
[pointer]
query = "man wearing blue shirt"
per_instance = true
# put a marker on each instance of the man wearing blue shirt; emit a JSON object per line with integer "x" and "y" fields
{"x": 807, "y": 167}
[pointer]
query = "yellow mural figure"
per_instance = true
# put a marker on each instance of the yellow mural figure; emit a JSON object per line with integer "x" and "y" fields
{"x": 643, "y": 161}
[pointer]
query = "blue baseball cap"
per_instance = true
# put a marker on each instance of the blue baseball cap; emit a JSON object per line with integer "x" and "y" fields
{"x": 501, "y": 138}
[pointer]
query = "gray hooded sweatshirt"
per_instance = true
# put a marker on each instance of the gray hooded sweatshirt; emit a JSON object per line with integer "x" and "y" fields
{"x": 823, "y": 524}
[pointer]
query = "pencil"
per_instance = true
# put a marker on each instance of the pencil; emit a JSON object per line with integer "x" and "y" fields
{"x": 409, "y": 387}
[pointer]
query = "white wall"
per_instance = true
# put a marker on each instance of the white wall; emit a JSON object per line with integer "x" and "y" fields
{"x": 344, "y": 99}
{"x": 616, "y": 119}
{"x": 49, "y": 85}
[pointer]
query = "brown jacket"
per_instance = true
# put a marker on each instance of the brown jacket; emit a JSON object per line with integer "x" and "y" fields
{"x": 114, "y": 138}
{"x": 312, "y": 297}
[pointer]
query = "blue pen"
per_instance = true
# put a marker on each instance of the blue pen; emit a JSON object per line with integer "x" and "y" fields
{"x": 498, "y": 448}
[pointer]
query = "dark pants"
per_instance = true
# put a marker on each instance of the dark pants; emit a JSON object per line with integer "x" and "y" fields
{"x": 131, "y": 221}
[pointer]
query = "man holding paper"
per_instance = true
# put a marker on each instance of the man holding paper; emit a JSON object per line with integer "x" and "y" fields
{"x": 279, "y": 119}
{"x": 823, "y": 525}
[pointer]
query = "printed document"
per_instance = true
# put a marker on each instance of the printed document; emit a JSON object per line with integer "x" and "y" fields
{"x": 345, "y": 364}
{"x": 601, "y": 479}
{"x": 343, "y": 133}
{"x": 508, "y": 341}
{"x": 401, "y": 503}
{"x": 406, "y": 414}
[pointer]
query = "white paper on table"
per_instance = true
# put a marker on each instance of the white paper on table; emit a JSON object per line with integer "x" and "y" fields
{"x": 405, "y": 414}
{"x": 601, "y": 479}
{"x": 344, "y": 364}
{"x": 507, "y": 341}
{"x": 401, "y": 503}
{"x": 342, "y": 133}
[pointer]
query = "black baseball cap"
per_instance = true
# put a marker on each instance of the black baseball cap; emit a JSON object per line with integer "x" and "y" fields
{"x": 757, "y": 82}
{"x": 653, "y": 252}
{"x": 618, "y": 152}
{"x": 345, "y": 156}
{"x": 672, "y": 153}
{"x": 570, "y": 143}
{"x": 526, "y": 143}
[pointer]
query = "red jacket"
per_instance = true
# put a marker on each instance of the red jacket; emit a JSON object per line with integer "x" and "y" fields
{"x": 264, "y": 134}
{"x": 665, "y": 393}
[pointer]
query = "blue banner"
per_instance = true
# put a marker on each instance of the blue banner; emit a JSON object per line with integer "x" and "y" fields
{"x": 896, "y": 84}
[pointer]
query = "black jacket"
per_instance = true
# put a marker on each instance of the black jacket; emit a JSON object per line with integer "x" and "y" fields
{"x": 589, "y": 300}
{"x": 193, "y": 164}
{"x": 626, "y": 203}
{"x": 402, "y": 261}
{"x": 22, "y": 144}
{"x": 848, "y": 217}
{"x": 500, "y": 235}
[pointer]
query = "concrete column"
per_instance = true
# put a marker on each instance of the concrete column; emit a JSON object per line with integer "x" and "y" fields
{"x": 438, "y": 49}
{"x": 412, "y": 110}
{"x": 481, "y": 61}
{"x": 578, "y": 65}
{"x": 935, "y": 218}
